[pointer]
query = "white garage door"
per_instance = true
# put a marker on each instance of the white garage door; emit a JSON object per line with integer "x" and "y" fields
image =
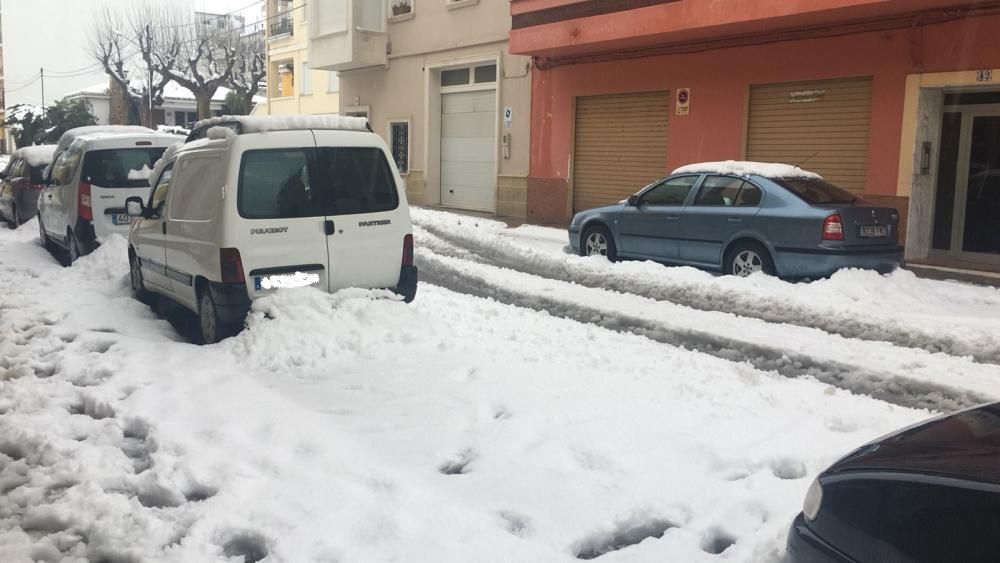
{"x": 468, "y": 150}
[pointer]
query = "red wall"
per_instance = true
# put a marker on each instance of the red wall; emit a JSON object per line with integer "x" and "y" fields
{"x": 719, "y": 82}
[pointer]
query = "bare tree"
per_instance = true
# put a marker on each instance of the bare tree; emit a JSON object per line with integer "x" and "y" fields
{"x": 124, "y": 48}
{"x": 250, "y": 68}
{"x": 199, "y": 61}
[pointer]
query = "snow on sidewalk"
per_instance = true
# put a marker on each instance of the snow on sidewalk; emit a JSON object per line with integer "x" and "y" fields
{"x": 939, "y": 316}
{"x": 351, "y": 427}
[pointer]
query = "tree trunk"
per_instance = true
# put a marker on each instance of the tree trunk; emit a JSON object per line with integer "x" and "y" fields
{"x": 204, "y": 106}
{"x": 146, "y": 116}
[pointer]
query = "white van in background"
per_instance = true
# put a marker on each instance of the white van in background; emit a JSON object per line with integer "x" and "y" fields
{"x": 89, "y": 182}
{"x": 261, "y": 203}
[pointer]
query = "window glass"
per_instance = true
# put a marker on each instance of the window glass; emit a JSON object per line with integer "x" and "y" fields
{"x": 197, "y": 191}
{"x": 814, "y": 190}
{"x": 120, "y": 168}
{"x": 315, "y": 183}
{"x": 332, "y": 82}
{"x": 159, "y": 196}
{"x": 17, "y": 169}
{"x": 486, "y": 73}
{"x": 399, "y": 133}
{"x": 750, "y": 196}
{"x": 65, "y": 166}
{"x": 719, "y": 191}
{"x": 672, "y": 191}
{"x": 35, "y": 173}
{"x": 455, "y": 77}
{"x": 370, "y": 15}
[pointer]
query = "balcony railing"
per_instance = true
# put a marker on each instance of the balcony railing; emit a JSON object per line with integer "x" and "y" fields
{"x": 283, "y": 26}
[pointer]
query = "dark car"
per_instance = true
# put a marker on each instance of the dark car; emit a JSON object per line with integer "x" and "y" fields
{"x": 928, "y": 493}
{"x": 741, "y": 218}
{"x": 21, "y": 183}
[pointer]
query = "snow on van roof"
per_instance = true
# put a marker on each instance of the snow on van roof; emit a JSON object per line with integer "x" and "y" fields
{"x": 745, "y": 168}
{"x": 38, "y": 155}
{"x": 68, "y": 137}
{"x": 265, "y": 123}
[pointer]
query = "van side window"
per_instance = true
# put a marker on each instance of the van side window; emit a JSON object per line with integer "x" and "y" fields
{"x": 159, "y": 195}
{"x": 65, "y": 166}
{"x": 196, "y": 192}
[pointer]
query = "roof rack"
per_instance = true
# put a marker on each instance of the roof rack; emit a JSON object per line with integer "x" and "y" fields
{"x": 242, "y": 124}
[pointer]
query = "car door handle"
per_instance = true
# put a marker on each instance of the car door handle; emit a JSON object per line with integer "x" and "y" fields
{"x": 673, "y": 217}
{"x": 328, "y": 227}
{"x": 735, "y": 220}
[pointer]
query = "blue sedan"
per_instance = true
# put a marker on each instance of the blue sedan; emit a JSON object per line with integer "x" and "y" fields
{"x": 741, "y": 218}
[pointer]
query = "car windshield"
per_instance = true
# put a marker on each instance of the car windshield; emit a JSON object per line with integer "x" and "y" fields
{"x": 308, "y": 182}
{"x": 815, "y": 190}
{"x": 120, "y": 168}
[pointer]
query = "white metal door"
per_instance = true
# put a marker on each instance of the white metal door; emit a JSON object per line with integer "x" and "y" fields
{"x": 468, "y": 149}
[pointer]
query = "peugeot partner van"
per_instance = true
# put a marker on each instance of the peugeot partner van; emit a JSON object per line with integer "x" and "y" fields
{"x": 84, "y": 200}
{"x": 262, "y": 203}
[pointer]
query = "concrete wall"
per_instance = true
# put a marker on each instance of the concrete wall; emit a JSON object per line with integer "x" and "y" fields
{"x": 719, "y": 81}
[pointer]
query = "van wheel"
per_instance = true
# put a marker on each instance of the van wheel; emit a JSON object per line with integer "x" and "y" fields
{"x": 747, "y": 258}
{"x": 17, "y": 219}
{"x": 212, "y": 328}
{"x": 72, "y": 252}
{"x": 43, "y": 239}
{"x": 138, "y": 284}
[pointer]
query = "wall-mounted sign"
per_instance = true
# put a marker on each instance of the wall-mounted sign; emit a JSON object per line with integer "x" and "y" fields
{"x": 806, "y": 96}
{"x": 985, "y": 75}
{"x": 508, "y": 116}
{"x": 683, "y": 101}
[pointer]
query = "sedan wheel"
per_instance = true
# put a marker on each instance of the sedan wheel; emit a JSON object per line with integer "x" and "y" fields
{"x": 747, "y": 262}
{"x": 748, "y": 258}
{"x": 597, "y": 243}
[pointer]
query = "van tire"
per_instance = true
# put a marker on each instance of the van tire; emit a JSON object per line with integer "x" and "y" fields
{"x": 210, "y": 327}
{"x": 71, "y": 253}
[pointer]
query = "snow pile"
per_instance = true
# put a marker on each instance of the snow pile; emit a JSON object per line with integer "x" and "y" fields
{"x": 173, "y": 130}
{"x": 39, "y": 155}
{"x": 743, "y": 168}
{"x": 452, "y": 429}
{"x": 265, "y": 123}
{"x": 140, "y": 174}
{"x": 220, "y": 133}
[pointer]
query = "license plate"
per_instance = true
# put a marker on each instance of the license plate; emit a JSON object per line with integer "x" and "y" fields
{"x": 874, "y": 231}
{"x": 121, "y": 219}
{"x": 285, "y": 281}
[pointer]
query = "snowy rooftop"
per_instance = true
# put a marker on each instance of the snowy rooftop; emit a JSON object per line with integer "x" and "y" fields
{"x": 172, "y": 91}
{"x": 39, "y": 155}
{"x": 265, "y": 123}
{"x": 746, "y": 168}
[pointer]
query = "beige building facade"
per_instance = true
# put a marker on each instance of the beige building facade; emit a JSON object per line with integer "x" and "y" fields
{"x": 293, "y": 86}
{"x": 435, "y": 78}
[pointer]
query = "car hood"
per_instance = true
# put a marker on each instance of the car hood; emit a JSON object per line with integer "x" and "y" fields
{"x": 598, "y": 211}
{"x": 963, "y": 445}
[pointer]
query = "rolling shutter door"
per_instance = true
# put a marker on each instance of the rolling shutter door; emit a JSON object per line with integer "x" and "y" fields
{"x": 822, "y": 124}
{"x": 621, "y": 146}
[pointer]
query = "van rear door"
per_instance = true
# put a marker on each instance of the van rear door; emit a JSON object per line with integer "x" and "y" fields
{"x": 280, "y": 229}
{"x": 369, "y": 216}
{"x": 112, "y": 176}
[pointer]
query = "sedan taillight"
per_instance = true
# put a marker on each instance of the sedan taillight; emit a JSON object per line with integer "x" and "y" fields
{"x": 833, "y": 228}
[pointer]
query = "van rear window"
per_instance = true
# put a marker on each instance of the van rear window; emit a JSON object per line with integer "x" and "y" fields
{"x": 120, "y": 168}
{"x": 36, "y": 174}
{"x": 315, "y": 182}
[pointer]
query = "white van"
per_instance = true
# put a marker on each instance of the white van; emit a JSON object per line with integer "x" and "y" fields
{"x": 89, "y": 181}
{"x": 267, "y": 202}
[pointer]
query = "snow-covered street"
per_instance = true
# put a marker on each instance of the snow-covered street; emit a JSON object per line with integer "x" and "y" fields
{"x": 530, "y": 405}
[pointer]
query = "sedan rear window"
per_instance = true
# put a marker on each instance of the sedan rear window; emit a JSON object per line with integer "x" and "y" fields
{"x": 814, "y": 190}
{"x": 307, "y": 182}
{"x": 120, "y": 168}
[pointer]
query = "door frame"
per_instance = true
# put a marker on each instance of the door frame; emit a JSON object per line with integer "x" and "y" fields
{"x": 969, "y": 114}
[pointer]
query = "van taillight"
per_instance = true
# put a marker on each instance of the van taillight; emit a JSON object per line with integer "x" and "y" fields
{"x": 833, "y": 228}
{"x": 408, "y": 250}
{"x": 232, "y": 265}
{"x": 84, "y": 210}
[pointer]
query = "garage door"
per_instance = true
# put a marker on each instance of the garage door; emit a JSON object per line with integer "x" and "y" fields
{"x": 621, "y": 145}
{"x": 822, "y": 124}
{"x": 468, "y": 150}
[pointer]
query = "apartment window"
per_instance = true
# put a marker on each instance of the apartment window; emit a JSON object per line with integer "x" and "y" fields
{"x": 399, "y": 144}
{"x": 332, "y": 82}
{"x": 371, "y": 15}
{"x": 400, "y": 9}
{"x": 305, "y": 83}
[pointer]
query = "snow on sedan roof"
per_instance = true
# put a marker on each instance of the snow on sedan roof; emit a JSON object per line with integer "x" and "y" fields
{"x": 39, "y": 155}
{"x": 746, "y": 168}
{"x": 265, "y": 123}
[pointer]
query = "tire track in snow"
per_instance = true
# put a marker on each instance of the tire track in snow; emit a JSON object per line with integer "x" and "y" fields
{"x": 886, "y": 387}
{"x": 705, "y": 299}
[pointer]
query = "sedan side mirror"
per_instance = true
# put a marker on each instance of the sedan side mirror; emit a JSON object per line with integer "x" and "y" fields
{"x": 134, "y": 207}
{"x": 633, "y": 201}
